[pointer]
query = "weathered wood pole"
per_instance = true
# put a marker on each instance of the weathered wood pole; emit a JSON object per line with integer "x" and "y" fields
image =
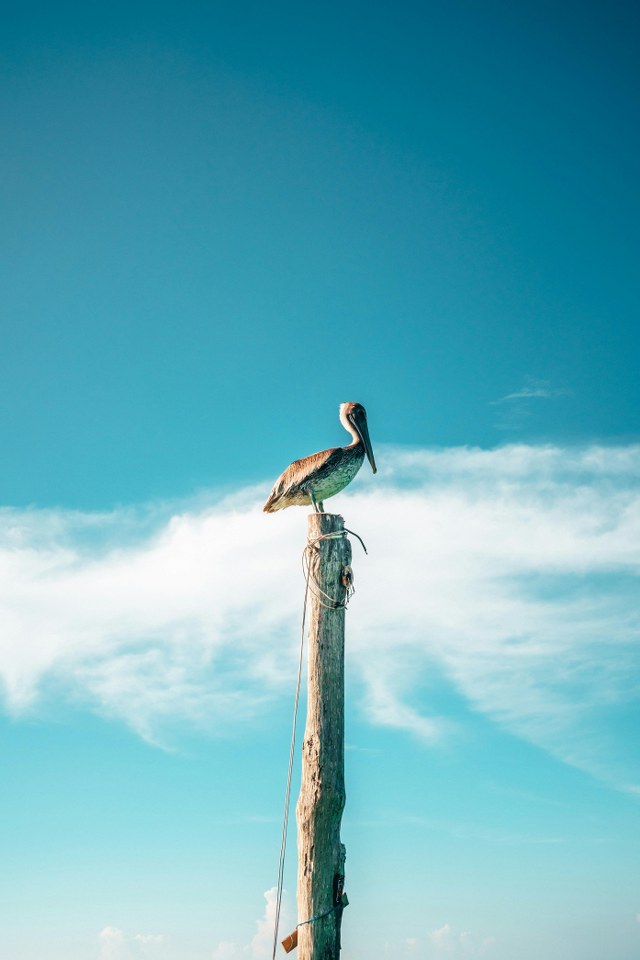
{"x": 321, "y": 855}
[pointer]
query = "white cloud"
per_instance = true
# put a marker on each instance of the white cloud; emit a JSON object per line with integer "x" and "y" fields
{"x": 442, "y": 938}
{"x": 512, "y": 571}
{"x": 111, "y": 943}
{"x": 262, "y": 942}
{"x": 260, "y": 946}
{"x": 443, "y": 943}
{"x": 227, "y": 950}
{"x": 446, "y": 942}
{"x": 116, "y": 945}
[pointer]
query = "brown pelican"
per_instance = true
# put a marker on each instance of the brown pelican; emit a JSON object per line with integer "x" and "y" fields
{"x": 324, "y": 474}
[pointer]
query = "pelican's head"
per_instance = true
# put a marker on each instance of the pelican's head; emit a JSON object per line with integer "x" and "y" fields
{"x": 353, "y": 418}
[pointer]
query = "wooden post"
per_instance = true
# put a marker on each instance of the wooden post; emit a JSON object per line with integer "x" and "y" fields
{"x": 321, "y": 855}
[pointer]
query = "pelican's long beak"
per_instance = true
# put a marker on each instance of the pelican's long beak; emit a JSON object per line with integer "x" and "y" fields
{"x": 360, "y": 423}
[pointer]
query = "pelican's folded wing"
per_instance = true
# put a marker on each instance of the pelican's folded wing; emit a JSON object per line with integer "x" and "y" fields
{"x": 290, "y": 487}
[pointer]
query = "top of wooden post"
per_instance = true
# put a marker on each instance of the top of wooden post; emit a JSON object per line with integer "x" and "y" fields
{"x": 321, "y": 523}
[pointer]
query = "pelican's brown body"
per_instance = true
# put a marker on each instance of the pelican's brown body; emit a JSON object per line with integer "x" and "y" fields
{"x": 322, "y": 475}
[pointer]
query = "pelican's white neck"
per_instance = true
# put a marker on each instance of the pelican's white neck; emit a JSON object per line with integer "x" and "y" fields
{"x": 346, "y": 423}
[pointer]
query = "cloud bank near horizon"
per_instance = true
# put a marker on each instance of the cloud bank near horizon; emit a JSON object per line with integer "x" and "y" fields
{"x": 511, "y": 573}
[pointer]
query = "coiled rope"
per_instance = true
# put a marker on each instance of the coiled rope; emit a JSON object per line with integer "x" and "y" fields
{"x": 332, "y": 604}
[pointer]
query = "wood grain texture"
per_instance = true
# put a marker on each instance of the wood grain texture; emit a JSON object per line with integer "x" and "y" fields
{"x": 321, "y": 855}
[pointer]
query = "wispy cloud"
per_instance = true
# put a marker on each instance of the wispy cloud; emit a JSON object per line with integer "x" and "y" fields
{"x": 534, "y": 389}
{"x": 516, "y": 408}
{"x": 512, "y": 573}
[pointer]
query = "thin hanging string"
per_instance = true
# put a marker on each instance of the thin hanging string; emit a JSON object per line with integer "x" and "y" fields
{"x": 287, "y": 796}
{"x": 333, "y": 604}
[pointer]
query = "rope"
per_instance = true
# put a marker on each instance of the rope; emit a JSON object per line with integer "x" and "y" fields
{"x": 313, "y": 584}
{"x": 358, "y": 537}
{"x": 310, "y": 583}
{"x": 337, "y": 906}
{"x": 320, "y": 916}
{"x": 330, "y": 603}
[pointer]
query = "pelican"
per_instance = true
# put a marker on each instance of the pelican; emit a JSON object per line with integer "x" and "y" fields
{"x": 313, "y": 479}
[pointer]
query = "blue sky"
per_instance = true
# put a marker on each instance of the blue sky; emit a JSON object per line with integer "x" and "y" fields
{"x": 219, "y": 223}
